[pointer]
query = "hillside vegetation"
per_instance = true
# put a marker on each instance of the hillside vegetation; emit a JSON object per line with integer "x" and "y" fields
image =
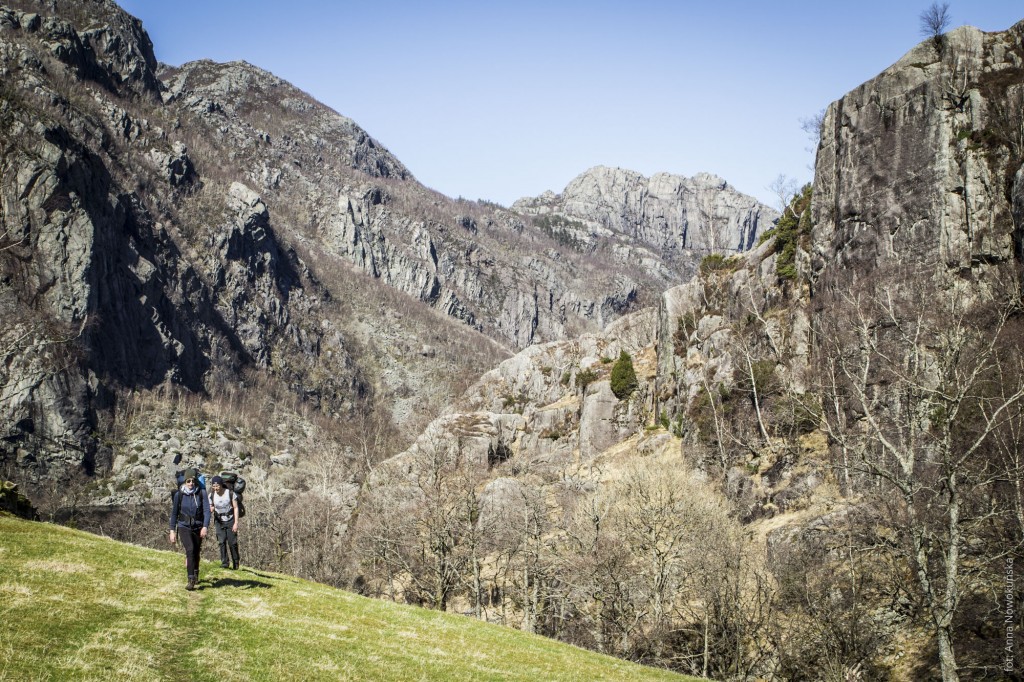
{"x": 78, "y": 606}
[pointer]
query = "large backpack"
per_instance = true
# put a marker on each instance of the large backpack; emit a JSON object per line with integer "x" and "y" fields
{"x": 235, "y": 484}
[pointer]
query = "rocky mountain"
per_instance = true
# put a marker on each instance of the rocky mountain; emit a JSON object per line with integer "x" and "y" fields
{"x": 210, "y": 229}
{"x": 805, "y": 457}
{"x": 850, "y": 387}
{"x": 673, "y": 215}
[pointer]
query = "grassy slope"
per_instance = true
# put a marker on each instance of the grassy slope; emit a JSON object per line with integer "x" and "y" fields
{"x": 77, "y": 606}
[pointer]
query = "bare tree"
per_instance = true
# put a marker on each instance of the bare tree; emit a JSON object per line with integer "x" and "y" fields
{"x": 824, "y": 579}
{"x": 934, "y": 22}
{"x": 932, "y": 385}
{"x": 514, "y": 531}
{"x": 383, "y": 539}
{"x": 784, "y": 188}
{"x": 813, "y": 126}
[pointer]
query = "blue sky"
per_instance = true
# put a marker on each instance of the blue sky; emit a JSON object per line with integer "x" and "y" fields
{"x": 504, "y": 99}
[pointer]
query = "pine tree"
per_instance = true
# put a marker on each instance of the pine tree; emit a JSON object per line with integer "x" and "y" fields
{"x": 623, "y": 376}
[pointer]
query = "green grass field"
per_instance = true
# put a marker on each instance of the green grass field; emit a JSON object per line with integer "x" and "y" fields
{"x": 75, "y": 606}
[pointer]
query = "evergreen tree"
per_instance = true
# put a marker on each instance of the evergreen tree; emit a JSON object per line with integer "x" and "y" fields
{"x": 623, "y": 376}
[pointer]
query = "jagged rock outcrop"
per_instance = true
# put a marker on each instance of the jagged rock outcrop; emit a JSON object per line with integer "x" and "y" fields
{"x": 545, "y": 407}
{"x": 483, "y": 265}
{"x": 668, "y": 213}
{"x": 123, "y": 268}
{"x": 209, "y": 224}
{"x": 297, "y": 132}
{"x": 103, "y": 45}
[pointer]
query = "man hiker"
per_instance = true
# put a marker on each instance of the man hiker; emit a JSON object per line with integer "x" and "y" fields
{"x": 224, "y": 508}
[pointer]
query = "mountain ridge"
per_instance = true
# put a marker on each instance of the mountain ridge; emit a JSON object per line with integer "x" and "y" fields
{"x": 787, "y": 441}
{"x": 219, "y": 224}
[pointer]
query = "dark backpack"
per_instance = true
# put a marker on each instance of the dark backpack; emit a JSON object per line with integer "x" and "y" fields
{"x": 235, "y": 484}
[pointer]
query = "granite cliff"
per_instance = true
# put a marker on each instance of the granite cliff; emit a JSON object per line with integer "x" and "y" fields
{"x": 209, "y": 227}
{"x": 821, "y": 382}
{"x": 671, "y": 214}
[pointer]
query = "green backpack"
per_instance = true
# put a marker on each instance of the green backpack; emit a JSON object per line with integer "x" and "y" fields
{"x": 235, "y": 484}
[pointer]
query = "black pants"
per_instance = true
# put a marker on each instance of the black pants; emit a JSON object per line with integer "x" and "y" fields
{"x": 228, "y": 539}
{"x": 192, "y": 543}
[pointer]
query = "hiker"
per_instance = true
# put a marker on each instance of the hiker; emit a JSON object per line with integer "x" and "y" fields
{"x": 189, "y": 519}
{"x": 224, "y": 508}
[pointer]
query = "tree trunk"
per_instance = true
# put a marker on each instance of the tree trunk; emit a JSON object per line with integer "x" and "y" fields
{"x": 947, "y": 661}
{"x": 478, "y": 587}
{"x": 707, "y": 642}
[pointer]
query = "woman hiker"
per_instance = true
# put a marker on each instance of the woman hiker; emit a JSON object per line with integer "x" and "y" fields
{"x": 224, "y": 507}
{"x": 189, "y": 519}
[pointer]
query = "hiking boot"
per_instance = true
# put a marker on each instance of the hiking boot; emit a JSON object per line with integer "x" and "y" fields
{"x": 234, "y": 567}
{"x": 191, "y": 584}
{"x": 224, "y": 564}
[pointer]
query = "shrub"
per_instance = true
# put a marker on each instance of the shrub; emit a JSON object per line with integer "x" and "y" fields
{"x": 685, "y": 328}
{"x": 715, "y": 262}
{"x": 794, "y": 227}
{"x": 794, "y": 416}
{"x": 623, "y": 376}
{"x": 585, "y": 377}
{"x": 761, "y": 378}
{"x": 701, "y": 415}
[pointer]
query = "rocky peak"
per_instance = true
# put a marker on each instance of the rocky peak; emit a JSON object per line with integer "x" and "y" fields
{"x": 669, "y": 213}
{"x": 97, "y": 39}
{"x": 258, "y": 108}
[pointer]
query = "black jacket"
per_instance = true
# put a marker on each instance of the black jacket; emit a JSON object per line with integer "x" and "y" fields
{"x": 190, "y": 510}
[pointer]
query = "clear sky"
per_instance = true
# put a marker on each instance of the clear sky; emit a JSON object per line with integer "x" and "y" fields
{"x": 500, "y": 99}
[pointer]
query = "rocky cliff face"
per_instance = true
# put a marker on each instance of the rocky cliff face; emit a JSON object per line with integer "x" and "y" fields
{"x": 917, "y": 201}
{"x": 545, "y": 412}
{"x": 920, "y": 164}
{"x": 916, "y": 198}
{"x": 129, "y": 262}
{"x": 518, "y": 280}
{"x": 201, "y": 225}
{"x": 681, "y": 219}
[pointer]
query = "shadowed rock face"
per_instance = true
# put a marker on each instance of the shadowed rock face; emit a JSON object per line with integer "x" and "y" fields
{"x": 190, "y": 226}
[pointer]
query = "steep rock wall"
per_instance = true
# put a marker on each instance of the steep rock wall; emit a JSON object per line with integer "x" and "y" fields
{"x": 916, "y": 166}
{"x": 668, "y": 213}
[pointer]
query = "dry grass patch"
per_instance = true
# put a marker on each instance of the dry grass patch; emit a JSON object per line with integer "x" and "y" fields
{"x": 126, "y": 617}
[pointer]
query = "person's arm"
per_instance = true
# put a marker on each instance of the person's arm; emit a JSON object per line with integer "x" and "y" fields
{"x": 234, "y": 507}
{"x": 204, "y": 502}
{"x": 175, "y": 501}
